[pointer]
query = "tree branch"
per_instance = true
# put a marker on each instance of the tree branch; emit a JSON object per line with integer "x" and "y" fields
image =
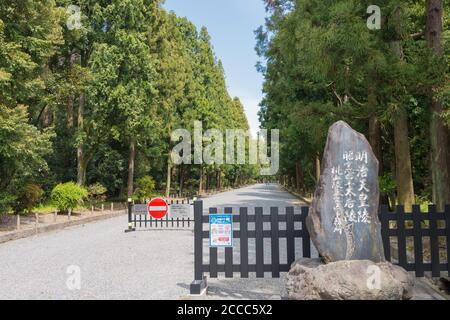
{"x": 417, "y": 35}
{"x": 356, "y": 101}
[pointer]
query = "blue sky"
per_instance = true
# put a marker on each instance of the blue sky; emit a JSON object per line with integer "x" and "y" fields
{"x": 231, "y": 24}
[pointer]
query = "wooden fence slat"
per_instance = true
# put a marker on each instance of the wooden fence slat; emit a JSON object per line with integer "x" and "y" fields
{"x": 275, "y": 242}
{"x": 401, "y": 237}
{"x": 447, "y": 228}
{"x": 213, "y": 253}
{"x": 306, "y": 241}
{"x": 385, "y": 231}
{"x": 229, "y": 253}
{"x": 434, "y": 243}
{"x": 259, "y": 242}
{"x": 198, "y": 241}
{"x": 418, "y": 246}
{"x": 290, "y": 238}
{"x": 243, "y": 237}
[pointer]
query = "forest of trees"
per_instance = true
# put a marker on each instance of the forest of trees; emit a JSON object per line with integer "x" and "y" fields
{"x": 96, "y": 103}
{"x": 322, "y": 64}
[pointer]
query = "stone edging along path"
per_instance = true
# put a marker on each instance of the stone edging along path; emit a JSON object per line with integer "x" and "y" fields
{"x": 24, "y": 233}
{"x": 19, "y": 234}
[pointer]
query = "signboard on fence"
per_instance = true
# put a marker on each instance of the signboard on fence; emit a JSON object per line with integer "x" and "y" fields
{"x": 181, "y": 211}
{"x": 140, "y": 209}
{"x": 220, "y": 230}
{"x": 157, "y": 208}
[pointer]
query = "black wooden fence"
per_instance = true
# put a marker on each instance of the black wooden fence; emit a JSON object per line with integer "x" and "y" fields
{"x": 265, "y": 226}
{"x": 141, "y": 219}
{"x": 397, "y": 236}
{"x": 420, "y": 239}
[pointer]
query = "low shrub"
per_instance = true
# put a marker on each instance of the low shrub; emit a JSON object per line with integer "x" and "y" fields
{"x": 145, "y": 187}
{"x": 97, "y": 192}
{"x": 67, "y": 196}
{"x": 29, "y": 197}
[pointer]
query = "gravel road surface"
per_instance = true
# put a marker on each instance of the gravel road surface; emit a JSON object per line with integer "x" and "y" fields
{"x": 147, "y": 264}
{"x": 100, "y": 261}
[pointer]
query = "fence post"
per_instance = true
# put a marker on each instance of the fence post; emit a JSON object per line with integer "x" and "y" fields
{"x": 18, "y": 221}
{"x": 69, "y": 214}
{"x": 103, "y": 207}
{"x": 55, "y": 215}
{"x": 199, "y": 285}
{"x": 112, "y": 206}
{"x": 447, "y": 227}
{"x": 130, "y": 222}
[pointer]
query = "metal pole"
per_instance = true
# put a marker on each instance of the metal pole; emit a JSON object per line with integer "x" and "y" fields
{"x": 199, "y": 285}
{"x": 130, "y": 222}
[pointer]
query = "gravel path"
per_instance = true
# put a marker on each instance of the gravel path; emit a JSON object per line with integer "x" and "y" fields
{"x": 116, "y": 265}
{"x": 147, "y": 264}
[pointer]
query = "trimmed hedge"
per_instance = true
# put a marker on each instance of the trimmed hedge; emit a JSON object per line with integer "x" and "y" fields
{"x": 68, "y": 195}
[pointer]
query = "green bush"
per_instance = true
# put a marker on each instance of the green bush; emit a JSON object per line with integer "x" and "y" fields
{"x": 30, "y": 195}
{"x": 6, "y": 202}
{"x": 145, "y": 187}
{"x": 97, "y": 192}
{"x": 67, "y": 196}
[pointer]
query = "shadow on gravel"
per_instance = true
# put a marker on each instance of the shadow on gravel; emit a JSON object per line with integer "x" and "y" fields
{"x": 242, "y": 289}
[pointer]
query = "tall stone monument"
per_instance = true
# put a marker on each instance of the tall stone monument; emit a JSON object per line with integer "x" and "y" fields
{"x": 345, "y": 229}
{"x": 343, "y": 218}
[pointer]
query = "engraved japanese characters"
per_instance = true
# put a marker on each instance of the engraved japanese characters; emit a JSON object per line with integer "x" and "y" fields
{"x": 343, "y": 219}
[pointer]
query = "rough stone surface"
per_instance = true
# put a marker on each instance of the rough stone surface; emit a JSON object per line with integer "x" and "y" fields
{"x": 343, "y": 219}
{"x": 309, "y": 279}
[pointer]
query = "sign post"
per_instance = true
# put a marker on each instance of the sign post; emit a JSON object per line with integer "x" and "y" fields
{"x": 130, "y": 222}
{"x": 221, "y": 230}
{"x": 157, "y": 208}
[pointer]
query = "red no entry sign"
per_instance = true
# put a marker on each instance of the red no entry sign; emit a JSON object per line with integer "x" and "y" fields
{"x": 157, "y": 208}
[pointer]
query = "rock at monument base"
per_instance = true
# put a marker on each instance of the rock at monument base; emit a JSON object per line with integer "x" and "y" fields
{"x": 310, "y": 279}
{"x": 343, "y": 217}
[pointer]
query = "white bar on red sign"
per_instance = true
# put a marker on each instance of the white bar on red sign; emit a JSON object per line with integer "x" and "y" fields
{"x": 157, "y": 208}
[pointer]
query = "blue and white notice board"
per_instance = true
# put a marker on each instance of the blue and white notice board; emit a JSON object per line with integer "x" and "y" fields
{"x": 220, "y": 230}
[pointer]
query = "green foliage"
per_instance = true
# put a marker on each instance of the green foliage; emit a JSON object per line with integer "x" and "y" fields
{"x": 145, "y": 188}
{"x": 387, "y": 184}
{"x": 68, "y": 195}
{"x": 29, "y": 196}
{"x": 6, "y": 202}
{"x": 322, "y": 64}
{"x": 97, "y": 192}
{"x": 73, "y": 101}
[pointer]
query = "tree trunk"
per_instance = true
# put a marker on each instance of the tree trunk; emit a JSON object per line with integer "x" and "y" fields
{"x": 438, "y": 132}
{"x": 46, "y": 117}
{"x": 375, "y": 128}
{"x": 219, "y": 179}
{"x": 299, "y": 176}
{"x": 403, "y": 171}
{"x": 405, "y": 187}
{"x": 132, "y": 156}
{"x": 200, "y": 184}
{"x": 69, "y": 118}
{"x": 181, "y": 173}
{"x": 81, "y": 156}
{"x": 169, "y": 174}
{"x": 375, "y": 140}
{"x": 317, "y": 162}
